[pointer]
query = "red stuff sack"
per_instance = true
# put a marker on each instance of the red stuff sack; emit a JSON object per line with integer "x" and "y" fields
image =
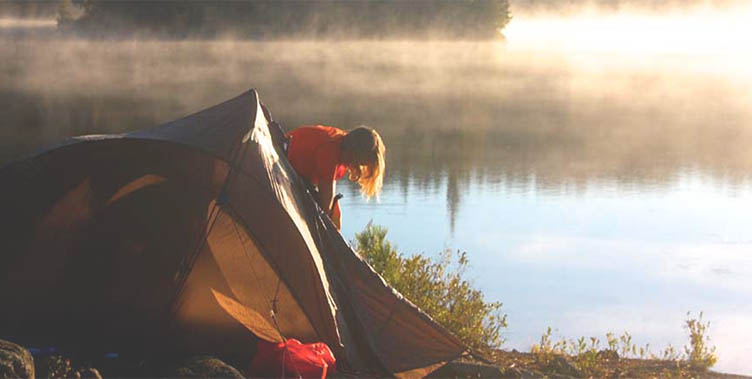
{"x": 292, "y": 359}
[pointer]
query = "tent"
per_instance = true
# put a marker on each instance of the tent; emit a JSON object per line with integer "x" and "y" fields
{"x": 194, "y": 236}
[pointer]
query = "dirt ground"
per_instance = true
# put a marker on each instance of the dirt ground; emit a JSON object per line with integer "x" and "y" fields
{"x": 518, "y": 364}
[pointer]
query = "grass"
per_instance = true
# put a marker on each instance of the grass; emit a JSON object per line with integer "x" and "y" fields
{"x": 592, "y": 360}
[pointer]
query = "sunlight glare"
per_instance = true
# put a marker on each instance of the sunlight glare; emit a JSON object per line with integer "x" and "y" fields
{"x": 697, "y": 31}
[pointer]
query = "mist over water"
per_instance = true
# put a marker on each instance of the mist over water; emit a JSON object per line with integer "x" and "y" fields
{"x": 475, "y": 106}
{"x": 597, "y": 184}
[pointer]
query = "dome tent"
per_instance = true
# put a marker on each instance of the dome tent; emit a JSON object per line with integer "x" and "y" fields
{"x": 193, "y": 236}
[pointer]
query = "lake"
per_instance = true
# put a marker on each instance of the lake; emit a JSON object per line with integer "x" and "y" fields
{"x": 593, "y": 191}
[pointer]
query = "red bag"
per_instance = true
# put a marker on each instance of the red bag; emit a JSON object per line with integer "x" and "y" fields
{"x": 292, "y": 359}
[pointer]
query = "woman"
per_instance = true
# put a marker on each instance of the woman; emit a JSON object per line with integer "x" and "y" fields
{"x": 323, "y": 154}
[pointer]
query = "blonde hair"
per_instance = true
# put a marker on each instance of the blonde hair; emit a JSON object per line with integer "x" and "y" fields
{"x": 368, "y": 166}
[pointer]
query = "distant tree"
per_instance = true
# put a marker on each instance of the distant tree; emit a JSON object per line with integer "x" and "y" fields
{"x": 467, "y": 19}
{"x": 27, "y": 8}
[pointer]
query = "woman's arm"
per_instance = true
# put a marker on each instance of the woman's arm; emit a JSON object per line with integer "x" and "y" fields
{"x": 326, "y": 195}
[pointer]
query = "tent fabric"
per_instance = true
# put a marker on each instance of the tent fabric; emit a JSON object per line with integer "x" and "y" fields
{"x": 193, "y": 236}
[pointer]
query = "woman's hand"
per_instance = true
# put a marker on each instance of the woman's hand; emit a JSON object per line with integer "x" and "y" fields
{"x": 326, "y": 195}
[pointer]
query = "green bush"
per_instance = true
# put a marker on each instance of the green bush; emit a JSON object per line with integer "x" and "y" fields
{"x": 438, "y": 287}
{"x": 699, "y": 354}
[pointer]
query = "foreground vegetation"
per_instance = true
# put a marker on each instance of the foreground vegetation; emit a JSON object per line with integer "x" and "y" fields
{"x": 621, "y": 356}
{"x": 439, "y": 287}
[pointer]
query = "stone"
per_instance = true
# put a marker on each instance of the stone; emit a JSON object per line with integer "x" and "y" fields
{"x": 609, "y": 355}
{"x": 467, "y": 370}
{"x": 519, "y": 373}
{"x": 15, "y": 361}
{"x": 205, "y": 367}
{"x": 560, "y": 365}
{"x": 89, "y": 373}
{"x": 53, "y": 366}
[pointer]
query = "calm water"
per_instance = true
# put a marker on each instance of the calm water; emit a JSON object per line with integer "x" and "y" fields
{"x": 593, "y": 192}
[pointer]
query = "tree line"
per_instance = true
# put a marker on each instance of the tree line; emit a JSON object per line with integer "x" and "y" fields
{"x": 261, "y": 19}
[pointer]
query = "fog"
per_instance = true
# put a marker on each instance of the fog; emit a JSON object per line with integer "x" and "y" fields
{"x": 475, "y": 106}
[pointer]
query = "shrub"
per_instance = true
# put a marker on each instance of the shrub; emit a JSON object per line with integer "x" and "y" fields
{"x": 438, "y": 287}
{"x": 698, "y": 353}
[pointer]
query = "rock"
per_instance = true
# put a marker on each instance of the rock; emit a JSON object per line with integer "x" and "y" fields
{"x": 608, "y": 354}
{"x": 467, "y": 370}
{"x": 511, "y": 372}
{"x": 560, "y": 365}
{"x": 89, "y": 373}
{"x": 205, "y": 367}
{"x": 520, "y": 373}
{"x": 53, "y": 366}
{"x": 530, "y": 374}
{"x": 15, "y": 361}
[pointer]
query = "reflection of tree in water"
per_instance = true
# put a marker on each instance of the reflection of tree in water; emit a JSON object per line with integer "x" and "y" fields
{"x": 566, "y": 161}
{"x": 453, "y": 196}
{"x": 637, "y": 154}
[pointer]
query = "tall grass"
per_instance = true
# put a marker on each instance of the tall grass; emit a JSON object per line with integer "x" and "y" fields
{"x": 589, "y": 357}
